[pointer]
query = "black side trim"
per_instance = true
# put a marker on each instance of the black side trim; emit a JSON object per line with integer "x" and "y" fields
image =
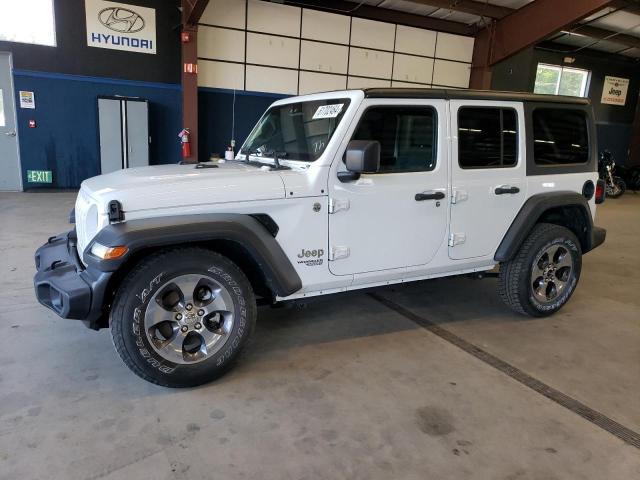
{"x": 268, "y": 223}
{"x": 244, "y": 230}
{"x": 533, "y": 210}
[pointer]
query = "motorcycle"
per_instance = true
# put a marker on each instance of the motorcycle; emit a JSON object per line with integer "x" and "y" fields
{"x": 631, "y": 176}
{"x": 614, "y": 185}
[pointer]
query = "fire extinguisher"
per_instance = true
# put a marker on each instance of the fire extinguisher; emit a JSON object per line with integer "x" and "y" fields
{"x": 186, "y": 143}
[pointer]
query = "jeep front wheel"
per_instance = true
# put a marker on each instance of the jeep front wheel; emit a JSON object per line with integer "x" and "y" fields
{"x": 543, "y": 275}
{"x": 182, "y": 316}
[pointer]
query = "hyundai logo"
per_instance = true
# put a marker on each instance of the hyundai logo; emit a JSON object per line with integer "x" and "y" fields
{"x": 121, "y": 20}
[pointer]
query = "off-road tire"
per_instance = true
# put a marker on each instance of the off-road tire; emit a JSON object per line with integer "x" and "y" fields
{"x": 139, "y": 287}
{"x": 515, "y": 277}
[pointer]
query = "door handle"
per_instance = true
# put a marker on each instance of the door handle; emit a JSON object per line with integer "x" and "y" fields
{"x": 10, "y": 134}
{"x": 506, "y": 189}
{"x": 429, "y": 196}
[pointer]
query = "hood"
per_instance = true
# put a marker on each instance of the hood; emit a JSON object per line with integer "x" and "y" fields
{"x": 164, "y": 186}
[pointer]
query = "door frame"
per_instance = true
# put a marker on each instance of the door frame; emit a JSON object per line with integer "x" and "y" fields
{"x": 441, "y": 108}
{"x": 15, "y": 120}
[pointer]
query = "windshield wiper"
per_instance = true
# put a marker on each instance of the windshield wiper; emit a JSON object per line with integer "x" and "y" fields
{"x": 274, "y": 154}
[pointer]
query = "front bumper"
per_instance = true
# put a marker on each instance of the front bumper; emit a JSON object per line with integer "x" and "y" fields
{"x": 64, "y": 285}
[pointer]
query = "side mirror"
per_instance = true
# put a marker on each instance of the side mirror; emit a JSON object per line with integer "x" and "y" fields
{"x": 362, "y": 156}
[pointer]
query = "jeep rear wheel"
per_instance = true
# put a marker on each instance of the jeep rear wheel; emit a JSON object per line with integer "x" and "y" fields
{"x": 543, "y": 275}
{"x": 182, "y": 316}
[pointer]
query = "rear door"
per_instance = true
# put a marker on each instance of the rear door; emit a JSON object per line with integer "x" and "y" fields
{"x": 488, "y": 173}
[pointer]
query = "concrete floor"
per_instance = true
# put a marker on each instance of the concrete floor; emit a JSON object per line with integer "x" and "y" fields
{"x": 345, "y": 388}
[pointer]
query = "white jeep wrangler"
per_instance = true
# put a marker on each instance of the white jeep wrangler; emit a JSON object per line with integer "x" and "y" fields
{"x": 330, "y": 192}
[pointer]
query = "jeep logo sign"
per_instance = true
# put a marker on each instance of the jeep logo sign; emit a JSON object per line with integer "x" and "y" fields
{"x": 614, "y": 91}
{"x": 120, "y": 26}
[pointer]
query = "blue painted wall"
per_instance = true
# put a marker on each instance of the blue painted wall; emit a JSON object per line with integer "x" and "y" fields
{"x": 216, "y": 119}
{"x": 65, "y": 140}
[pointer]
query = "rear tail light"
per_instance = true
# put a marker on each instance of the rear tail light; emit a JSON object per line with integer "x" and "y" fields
{"x": 600, "y": 192}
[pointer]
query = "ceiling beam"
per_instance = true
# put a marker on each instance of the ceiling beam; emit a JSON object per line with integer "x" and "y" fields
{"x": 385, "y": 15}
{"x": 497, "y": 12}
{"x": 192, "y": 10}
{"x": 523, "y": 28}
{"x": 596, "y": 33}
{"x": 474, "y": 7}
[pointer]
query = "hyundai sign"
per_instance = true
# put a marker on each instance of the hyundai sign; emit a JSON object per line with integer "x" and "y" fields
{"x": 120, "y": 26}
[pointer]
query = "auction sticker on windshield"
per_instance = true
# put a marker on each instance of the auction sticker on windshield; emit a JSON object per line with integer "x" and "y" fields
{"x": 328, "y": 111}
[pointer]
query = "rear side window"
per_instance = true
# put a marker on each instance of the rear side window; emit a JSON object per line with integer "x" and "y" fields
{"x": 487, "y": 137}
{"x": 560, "y": 136}
{"x": 407, "y": 137}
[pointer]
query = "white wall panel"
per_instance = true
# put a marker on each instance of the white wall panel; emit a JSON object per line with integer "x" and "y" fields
{"x": 372, "y": 34}
{"x": 270, "y": 17}
{"x": 455, "y": 74}
{"x": 321, "y": 82}
{"x": 272, "y": 80}
{"x": 324, "y": 57}
{"x": 221, "y": 43}
{"x": 220, "y": 75}
{"x": 355, "y": 82}
{"x": 454, "y": 47}
{"x": 370, "y": 63}
{"x": 272, "y": 50}
{"x": 329, "y": 27}
{"x": 412, "y": 69}
{"x": 416, "y": 41}
{"x": 408, "y": 85}
{"x": 226, "y": 13}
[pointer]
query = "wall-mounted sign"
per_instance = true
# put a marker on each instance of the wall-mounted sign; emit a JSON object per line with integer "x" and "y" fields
{"x": 614, "y": 90}
{"x": 39, "y": 176}
{"x": 120, "y": 26}
{"x": 27, "y": 99}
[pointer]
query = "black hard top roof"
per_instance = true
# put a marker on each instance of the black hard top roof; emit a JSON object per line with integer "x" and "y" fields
{"x": 463, "y": 94}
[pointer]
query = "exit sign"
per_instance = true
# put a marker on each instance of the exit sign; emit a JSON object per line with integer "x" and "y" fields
{"x": 39, "y": 176}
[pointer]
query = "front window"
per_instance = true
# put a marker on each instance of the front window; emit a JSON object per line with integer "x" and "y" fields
{"x": 296, "y": 131}
{"x": 556, "y": 80}
{"x": 407, "y": 137}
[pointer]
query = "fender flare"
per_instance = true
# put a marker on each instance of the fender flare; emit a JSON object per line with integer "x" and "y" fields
{"x": 244, "y": 230}
{"x": 530, "y": 214}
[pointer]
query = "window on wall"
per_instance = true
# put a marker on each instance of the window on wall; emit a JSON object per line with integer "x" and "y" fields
{"x": 28, "y": 21}
{"x": 487, "y": 137}
{"x": 407, "y": 137}
{"x": 556, "y": 80}
{"x": 560, "y": 136}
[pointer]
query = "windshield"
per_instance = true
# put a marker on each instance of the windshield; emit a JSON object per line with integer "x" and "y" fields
{"x": 296, "y": 131}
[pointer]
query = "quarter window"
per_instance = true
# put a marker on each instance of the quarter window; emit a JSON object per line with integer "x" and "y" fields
{"x": 560, "y": 136}
{"x": 487, "y": 137}
{"x": 407, "y": 137}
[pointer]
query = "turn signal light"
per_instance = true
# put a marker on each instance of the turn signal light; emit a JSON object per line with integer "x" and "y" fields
{"x": 108, "y": 253}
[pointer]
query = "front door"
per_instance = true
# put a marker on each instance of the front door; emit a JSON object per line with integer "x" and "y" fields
{"x": 10, "y": 177}
{"x": 488, "y": 174}
{"x": 397, "y": 217}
